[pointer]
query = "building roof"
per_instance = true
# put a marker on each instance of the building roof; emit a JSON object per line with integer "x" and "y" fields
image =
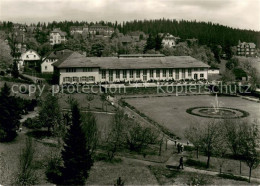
{"x": 30, "y": 51}
{"x": 140, "y": 55}
{"x": 57, "y": 30}
{"x": 78, "y": 28}
{"x": 245, "y": 44}
{"x": 76, "y": 60}
{"x": 58, "y": 54}
{"x": 125, "y": 39}
{"x": 251, "y": 45}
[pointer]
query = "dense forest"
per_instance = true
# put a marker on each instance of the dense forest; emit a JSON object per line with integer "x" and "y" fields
{"x": 207, "y": 33}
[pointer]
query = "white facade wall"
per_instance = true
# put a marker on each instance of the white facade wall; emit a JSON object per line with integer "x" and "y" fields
{"x": 30, "y": 55}
{"x": 76, "y": 31}
{"x": 46, "y": 66}
{"x": 79, "y": 74}
{"x": 56, "y": 38}
{"x": 213, "y": 71}
{"x": 169, "y": 42}
{"x": 96, "y": 73}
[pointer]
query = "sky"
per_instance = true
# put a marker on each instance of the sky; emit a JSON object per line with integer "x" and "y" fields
{"x": 244, "y": 14}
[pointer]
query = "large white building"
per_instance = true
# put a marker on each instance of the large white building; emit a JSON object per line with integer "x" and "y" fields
{"x": 77, "y": 68}
{"x": 246, "y": 49}
{"x": 169, "y": 40}
{"x": 57, "y": 36}
{"x": 78, "y": 29}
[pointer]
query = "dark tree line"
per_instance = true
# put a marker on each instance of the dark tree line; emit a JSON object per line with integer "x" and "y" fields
{"x": 207, "y": 33}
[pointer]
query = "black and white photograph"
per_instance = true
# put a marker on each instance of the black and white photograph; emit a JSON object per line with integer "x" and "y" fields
{"x": 129, "y": 92}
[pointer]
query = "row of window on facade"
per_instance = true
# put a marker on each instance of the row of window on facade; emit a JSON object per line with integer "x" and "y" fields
{"x": 138, "y": 71}
{"x": 50, "y": 60}
{"x": 82, "y": 79}
{"x": 153, "y": 73}
{"x": 247, "y": 49}
{"x": 27, "y": 56}
{"x": 92, "y": 78}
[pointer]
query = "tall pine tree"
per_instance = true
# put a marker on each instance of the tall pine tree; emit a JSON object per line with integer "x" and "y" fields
{"x": 9, "y": 115}
{"x": 76, "y": 155}
{"x": 15, "y": 72}
{"x": 158, "y": 42}
{"x": 150, "y": 44}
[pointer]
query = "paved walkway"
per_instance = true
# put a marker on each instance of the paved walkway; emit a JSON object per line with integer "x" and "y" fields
{"x": 172, "y": 163}
{"x": 92, "y": 111}
{"x": 31, "y": 114}
{"x": 33, "y": 78}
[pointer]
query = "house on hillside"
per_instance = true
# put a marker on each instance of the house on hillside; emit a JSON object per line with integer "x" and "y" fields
{"x": 57, "y": 36}
{"x": 101, "y": 30}
{"x": 52, "y": 57}
{"x": 31, "y": 29}
{"x": 137, "y": 35}
{"x": 246, "y": 49}
{"x": 19, "y": 43}
{"x": 126, "y": 40}
{"x": 169, "y": 40}
{"x": 79, "y": 69}
{"x": 30, "y": 58}
{"x": 78, "y": 29}
{"x": 20, "y": 27}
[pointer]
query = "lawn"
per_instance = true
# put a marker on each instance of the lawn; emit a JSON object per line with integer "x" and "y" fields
{"x": 95, "y": 104}
{"x": 9, "y": 155}
{"x": 131, "y": 173}
{"x": 166, "y": 176}
{"x": 171, "y": 111}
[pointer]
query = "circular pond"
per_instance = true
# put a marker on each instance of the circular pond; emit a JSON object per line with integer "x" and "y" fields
{"x": 219, "y": 113}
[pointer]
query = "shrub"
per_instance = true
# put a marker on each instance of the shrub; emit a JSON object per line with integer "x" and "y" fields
{"x": 54, "y": 168}
{"x": 32, "y": 123}
{"x": 232, "y": 177}
{"x": 138, "y": 138}
{"x": 104, "y": 157}
{"x": 196, "y": 163}
{"x": 2, "y": 73}
{"x": 198, "y": 180}
{"x": 189, "y": 148}
{"x": 26, "y": 174}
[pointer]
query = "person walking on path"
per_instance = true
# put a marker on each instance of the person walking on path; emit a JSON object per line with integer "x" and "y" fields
{"x": 181, "y": 163}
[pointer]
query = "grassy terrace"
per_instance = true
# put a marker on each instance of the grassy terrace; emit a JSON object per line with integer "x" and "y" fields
{"x": 170, "y": 112}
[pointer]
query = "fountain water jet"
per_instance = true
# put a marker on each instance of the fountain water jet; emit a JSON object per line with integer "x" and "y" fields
{"x": 216, "y": 105}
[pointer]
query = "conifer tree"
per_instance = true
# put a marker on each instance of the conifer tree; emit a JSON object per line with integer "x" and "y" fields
{"x": 150, "y": 44}
{"x": 15, "y": 72}
{"x": 158, "y": 42}
{"x": 9, "y": 115}
{"x": 76, "y": 155}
